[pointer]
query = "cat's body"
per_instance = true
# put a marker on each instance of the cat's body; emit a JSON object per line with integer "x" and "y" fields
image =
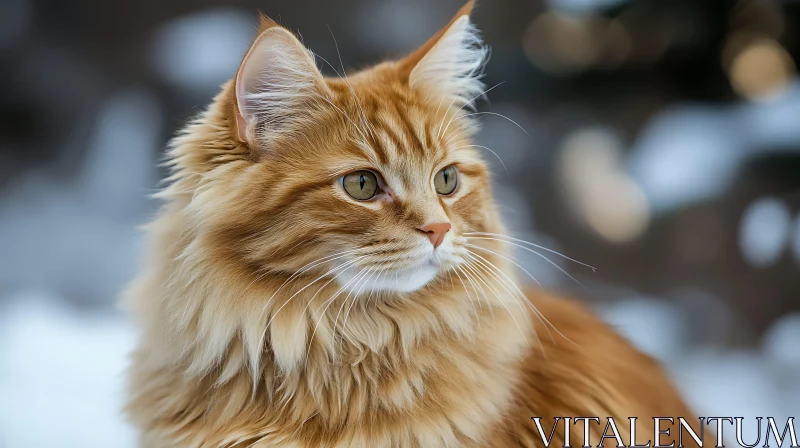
{"x": 255, "y": 331}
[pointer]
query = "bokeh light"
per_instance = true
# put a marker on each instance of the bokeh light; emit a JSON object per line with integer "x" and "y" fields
{"x": 603, "y": 195}
{"x": 780, "y": 342}
{"x": 761, "y": 70}
{"x": 764, "y": 231}
{"x": 560, "y": 43}
{"x": 202, "y": 50}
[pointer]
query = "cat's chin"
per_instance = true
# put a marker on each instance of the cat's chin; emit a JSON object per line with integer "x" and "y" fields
{"x": 404, "y": 280}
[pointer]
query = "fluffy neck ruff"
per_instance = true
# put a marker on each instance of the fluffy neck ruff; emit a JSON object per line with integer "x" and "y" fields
{"x": 229, "y": 358}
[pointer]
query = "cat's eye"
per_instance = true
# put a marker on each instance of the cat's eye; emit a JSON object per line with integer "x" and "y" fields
{"x": 361, "y": 185}
{"x": 446, "y": 180}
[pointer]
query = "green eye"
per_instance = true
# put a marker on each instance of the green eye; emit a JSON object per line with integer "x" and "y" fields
{"x": 446, "y": 180}
{"x": 361, "y": 185}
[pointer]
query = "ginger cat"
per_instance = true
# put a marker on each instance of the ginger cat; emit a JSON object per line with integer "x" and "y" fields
{"x": 329, "y": 270}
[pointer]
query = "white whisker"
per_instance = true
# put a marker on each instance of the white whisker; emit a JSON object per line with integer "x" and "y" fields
{"x": 537, "y": 254}
{"x": 369, "y": 298}
{"x": 470, "y": 102}
{"x": 472, "y": 265}
{"x": 516, "y": 292}
{"x": 305, "y": 268}
{"x": 505, "y": 257}
{"x": 329, "y": 302}
{"x": 475, "y": 288}
{"x": 488, "y": 149}
{"x": 373, "y": 276}
{"x": 533, "y": 308}
{"x": 499, "y": 235}
{"x": 501, "y": 116}
{"x": 471, "y": 301}
{"x": 363, "y": 117}
{"x": 366, "y": 280}
{"x": 345, "y": 265}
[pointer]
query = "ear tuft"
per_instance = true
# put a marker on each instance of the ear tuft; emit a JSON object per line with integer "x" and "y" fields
{"x": 452, "y": 66}
{"x": 277, "y": 82}
{"x": 265, "y": 22}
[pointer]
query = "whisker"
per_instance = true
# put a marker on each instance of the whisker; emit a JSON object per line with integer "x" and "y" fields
{"x": 345, "y": 265}
{"x": 475, "y": 288}
{"x": 317, "y": 55}
{"x": 471, "y": 301}
{"x": 441, "y": 100}
{"x": 306, "y": 267}
{"x": 501, "y": 116}
{"x": 439, "y": 132}
{"x": 357, "y": 127}
{"x": 533, "y": 308}
{"x": 488, "y": 149}
{"x": 363, "y": 117}
{"x": 329, "y": 302}
{"x": 373, "y": 276}
{"x": 499, "y": 235}
{"x": 537, "y": 254}
{"x": 369, "y": 277}
{"x": 468, "y": 265}
{"x": 296, "y": 274}
{"x": 350, "y": 292}
{"x": 511, "y": 260}
{"x": 472, "y": 265}
{"x": 520, "y": 297}
{"x": 471, "y": 285}
{"x": 470, "y": 102}
{"x": 349, "y": 264}
{"x": 369, "y": 298}
{"x": 506, "y": 281}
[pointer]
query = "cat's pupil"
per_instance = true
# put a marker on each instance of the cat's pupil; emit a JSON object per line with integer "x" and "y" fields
{"x": 361, "y": 185}
{"x": 446, "y": 180}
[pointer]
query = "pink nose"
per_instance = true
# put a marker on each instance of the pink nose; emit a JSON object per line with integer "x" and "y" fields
{"x": 436, "y": 232}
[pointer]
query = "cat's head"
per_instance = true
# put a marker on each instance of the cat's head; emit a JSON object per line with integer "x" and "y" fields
{"x": 370, "y": 177}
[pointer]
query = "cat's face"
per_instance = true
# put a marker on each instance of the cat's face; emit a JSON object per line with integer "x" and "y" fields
{"x": 371, "y": 181}
{"x": 395, "y": 202}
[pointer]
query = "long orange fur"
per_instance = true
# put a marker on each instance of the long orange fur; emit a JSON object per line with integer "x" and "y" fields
{"x": 247, "y": 342}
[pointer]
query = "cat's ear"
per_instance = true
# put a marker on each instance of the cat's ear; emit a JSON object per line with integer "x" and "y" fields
{"x": 450, "y": 64}
{"x": 276, "y": 83}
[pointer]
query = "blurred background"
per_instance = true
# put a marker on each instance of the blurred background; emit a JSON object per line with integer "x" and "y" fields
{"x": 661, "y": 145}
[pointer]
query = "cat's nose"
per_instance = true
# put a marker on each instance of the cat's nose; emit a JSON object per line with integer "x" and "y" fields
{"x": 435, "y": 232}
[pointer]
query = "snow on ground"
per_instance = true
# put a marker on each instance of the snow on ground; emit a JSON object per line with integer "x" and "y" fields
{"x": 61, "y": 378}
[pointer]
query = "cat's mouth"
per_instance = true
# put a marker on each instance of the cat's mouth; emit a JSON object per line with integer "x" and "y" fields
{"x": 401, "y": 270}
{"x": 408, "y": 277}
{"x": 400, "y": 280}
